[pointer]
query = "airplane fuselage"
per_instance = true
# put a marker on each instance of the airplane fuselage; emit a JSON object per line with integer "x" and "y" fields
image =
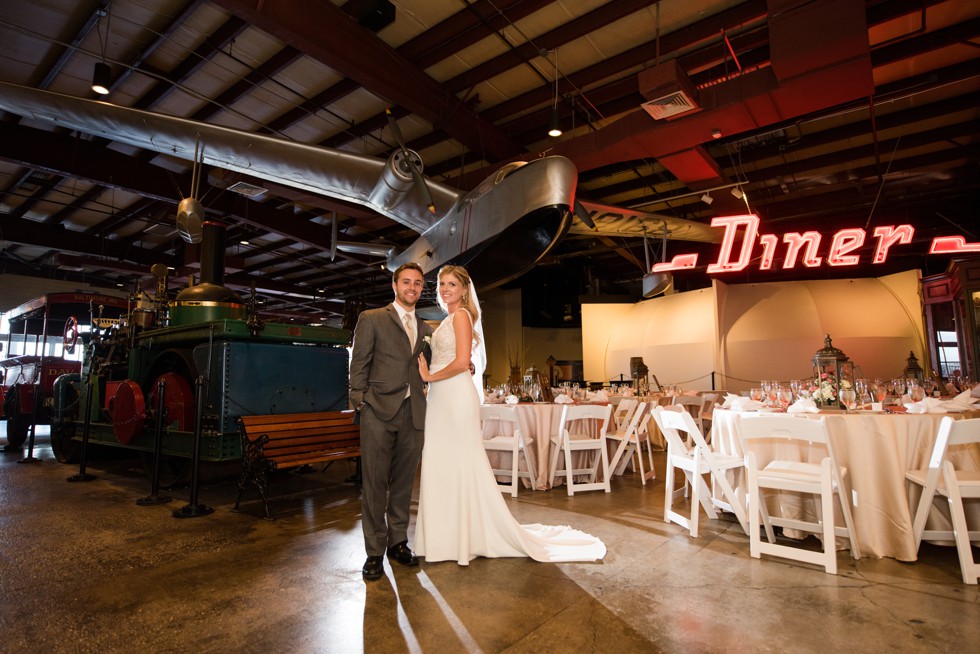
{"x": 511, "y": 220}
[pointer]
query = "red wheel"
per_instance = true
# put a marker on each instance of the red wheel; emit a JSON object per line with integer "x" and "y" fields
{"x": 70, "y": 337}
{"x": 128, "y": 411}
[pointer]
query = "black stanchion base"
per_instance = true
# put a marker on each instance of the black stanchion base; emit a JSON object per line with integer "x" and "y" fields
{"x": 29, "y": 459}
{"x": 82, "y": 477}
{"x": 193, "y": 511}
{"x": 153, "y": 500}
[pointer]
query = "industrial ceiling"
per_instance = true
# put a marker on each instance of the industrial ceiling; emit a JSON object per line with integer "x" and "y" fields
{"x": 821, "y": 114}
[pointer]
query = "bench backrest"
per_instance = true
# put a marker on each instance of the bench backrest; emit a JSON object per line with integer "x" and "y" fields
{"x": 296, "y": 433}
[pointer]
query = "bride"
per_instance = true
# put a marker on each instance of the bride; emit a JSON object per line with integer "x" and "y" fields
{"x": 462, "y": 514}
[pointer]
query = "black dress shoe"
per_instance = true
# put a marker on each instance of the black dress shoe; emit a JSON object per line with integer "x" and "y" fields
{"x": 373, "y": 568}
{"x": 403, "y": 554}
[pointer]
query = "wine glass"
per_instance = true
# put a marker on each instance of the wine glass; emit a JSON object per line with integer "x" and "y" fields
{"x": 755, "y": 394}
{"x": 784, "y": 396}
{"x": 848, "y": 397}
{"x": 916, "y": 392}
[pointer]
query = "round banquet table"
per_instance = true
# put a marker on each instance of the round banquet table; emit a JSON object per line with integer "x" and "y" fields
{"x": 538, "y": 423}
{"x": 876, "y": 449}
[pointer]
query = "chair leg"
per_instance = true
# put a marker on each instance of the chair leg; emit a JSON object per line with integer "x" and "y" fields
{"x": 569, "y": 477}
{"x": 755, "y": 508}
{"x": 553, "y": 466}
{"x": 515, "y": 478}
{"x": 969, "y": 569}
{"x": 532, "y": 477}
{"x": 695, "y": 501}
{"x": 827, "y": 518}
{"x": 669, "y": 489}
{"x": 845, "y": 508}
{"x": 604, "y": 459}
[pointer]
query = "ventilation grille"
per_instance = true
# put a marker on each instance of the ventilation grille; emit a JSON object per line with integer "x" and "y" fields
{"x": 248, "y": 190}
{"x": 670, "y": 105}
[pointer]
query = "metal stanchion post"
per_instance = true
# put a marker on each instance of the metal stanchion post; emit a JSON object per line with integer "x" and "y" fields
{"x": 193, "y": 509}
{"x": 154, "y": 497}
{"x": 86, "y": 426}
{"x": 30, "y": 458}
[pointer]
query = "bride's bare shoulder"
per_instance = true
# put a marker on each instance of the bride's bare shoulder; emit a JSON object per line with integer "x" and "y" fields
{"x": 465, "y": 312}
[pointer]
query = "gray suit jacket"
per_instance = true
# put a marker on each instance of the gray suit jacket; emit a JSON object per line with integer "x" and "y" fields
{"x": 383, "y": 366}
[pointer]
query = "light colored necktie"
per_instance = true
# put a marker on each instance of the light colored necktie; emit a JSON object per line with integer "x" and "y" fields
{"x": 410, "y": 328}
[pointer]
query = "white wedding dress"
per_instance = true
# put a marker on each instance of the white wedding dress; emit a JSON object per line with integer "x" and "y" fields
{"x": 462, "y": 513}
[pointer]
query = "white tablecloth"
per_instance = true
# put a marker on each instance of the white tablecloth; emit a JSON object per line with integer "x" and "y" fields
{"x": 876, "y": 449}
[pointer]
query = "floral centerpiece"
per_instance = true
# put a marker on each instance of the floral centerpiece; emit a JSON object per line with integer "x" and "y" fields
{"x": 832, "y": 371}
{"x": 825, "y": 389}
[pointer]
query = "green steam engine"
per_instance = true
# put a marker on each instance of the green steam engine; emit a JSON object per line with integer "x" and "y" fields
{"x": 208, "y": 343}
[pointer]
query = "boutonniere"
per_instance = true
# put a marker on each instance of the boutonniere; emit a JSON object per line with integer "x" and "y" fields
{"x": 427, "y": 339}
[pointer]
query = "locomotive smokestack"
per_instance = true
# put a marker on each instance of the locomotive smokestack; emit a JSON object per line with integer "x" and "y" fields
{"x": 209, "y": 300}
{"x": 213, "y": 252}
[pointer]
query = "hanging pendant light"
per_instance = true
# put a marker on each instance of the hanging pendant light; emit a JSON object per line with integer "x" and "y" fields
{"x": 102, "y": 74}
{"x": 101, "y": 78}
{"x": 554, "y": 127}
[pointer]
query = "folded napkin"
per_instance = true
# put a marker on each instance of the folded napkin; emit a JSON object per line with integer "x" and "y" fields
{"x": 564, "y": 399}
{"x": 803, "y": 405}
{"x": 746, "y": 404}
{"x": 927, "y": 405}
{"x": 598, "y": 396}
{"x": 512, "y": 399}
{"x": 975, "y": 392}
{"x": 962, "y": 402}
{"x": 730, "y": 399}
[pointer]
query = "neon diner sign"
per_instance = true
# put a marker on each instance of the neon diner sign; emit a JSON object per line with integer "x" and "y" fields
{"x": 803, "y": 248}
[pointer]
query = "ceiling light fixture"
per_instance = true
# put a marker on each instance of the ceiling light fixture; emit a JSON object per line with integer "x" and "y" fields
{"x": 101, "y": 78}
{"x": 554, "y": 128}
{"x": 737, "y": 192}
{"x": 707, "y": 199}
{"x": 102, "y": 74}
{"x": 716, "y": 133}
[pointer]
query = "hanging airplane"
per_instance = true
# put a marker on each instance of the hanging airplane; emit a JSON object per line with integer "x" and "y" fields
{"x": 499, "y": 230}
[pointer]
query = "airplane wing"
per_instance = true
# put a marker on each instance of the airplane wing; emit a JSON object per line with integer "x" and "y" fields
{"x": 334, "y": 173}
{"x": 611, "y": 220}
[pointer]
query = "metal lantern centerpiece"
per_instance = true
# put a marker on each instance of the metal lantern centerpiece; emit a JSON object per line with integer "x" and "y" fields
{"x": 912, "y": 368}
{"x": 832, "y": 370}
{"x": 639, "y": 371}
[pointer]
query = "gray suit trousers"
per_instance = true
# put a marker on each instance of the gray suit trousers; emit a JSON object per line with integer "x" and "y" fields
{"x": 394, "y": 446}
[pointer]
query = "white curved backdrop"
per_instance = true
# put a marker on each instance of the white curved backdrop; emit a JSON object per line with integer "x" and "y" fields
{"x": 747, "y": 332}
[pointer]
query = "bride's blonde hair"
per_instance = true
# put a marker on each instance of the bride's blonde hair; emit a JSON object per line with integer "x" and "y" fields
{"x": 460, "y": 273}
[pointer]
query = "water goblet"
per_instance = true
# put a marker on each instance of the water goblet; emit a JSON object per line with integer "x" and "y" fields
{"x": 755, "y": 394}
{"x": 848, "y": 397}
{"x": 784, "y": 396}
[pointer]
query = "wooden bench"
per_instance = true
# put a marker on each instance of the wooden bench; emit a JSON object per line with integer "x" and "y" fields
{"x": 291, "y": 440}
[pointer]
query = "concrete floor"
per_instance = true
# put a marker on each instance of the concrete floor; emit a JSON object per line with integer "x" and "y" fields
{"x": 84, "y": 569}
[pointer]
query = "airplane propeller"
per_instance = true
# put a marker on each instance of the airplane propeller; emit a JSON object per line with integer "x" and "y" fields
{"x": 412, "y": 161}
{"x": 656, "y": 283}
{"x": 583, "y": 215}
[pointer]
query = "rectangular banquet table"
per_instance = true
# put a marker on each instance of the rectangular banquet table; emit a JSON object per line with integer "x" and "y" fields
{"x": 876, "y": 449}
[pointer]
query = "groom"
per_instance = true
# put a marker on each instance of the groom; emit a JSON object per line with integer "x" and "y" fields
{"x": 386, "y": 390}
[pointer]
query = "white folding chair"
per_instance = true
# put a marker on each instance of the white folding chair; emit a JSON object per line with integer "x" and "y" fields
{"x": 692, "y": 404}
{"x": 679, "y": 428}
{"x": 501, "y": 420}
{"x": 796, "y": 475}
{"x": 631, "y": 438}
{"x": 707, "y": 411}
{"x": 943, "y": 478}
{"x": 582, "y": 428}
{"x": 623, "y": 412}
